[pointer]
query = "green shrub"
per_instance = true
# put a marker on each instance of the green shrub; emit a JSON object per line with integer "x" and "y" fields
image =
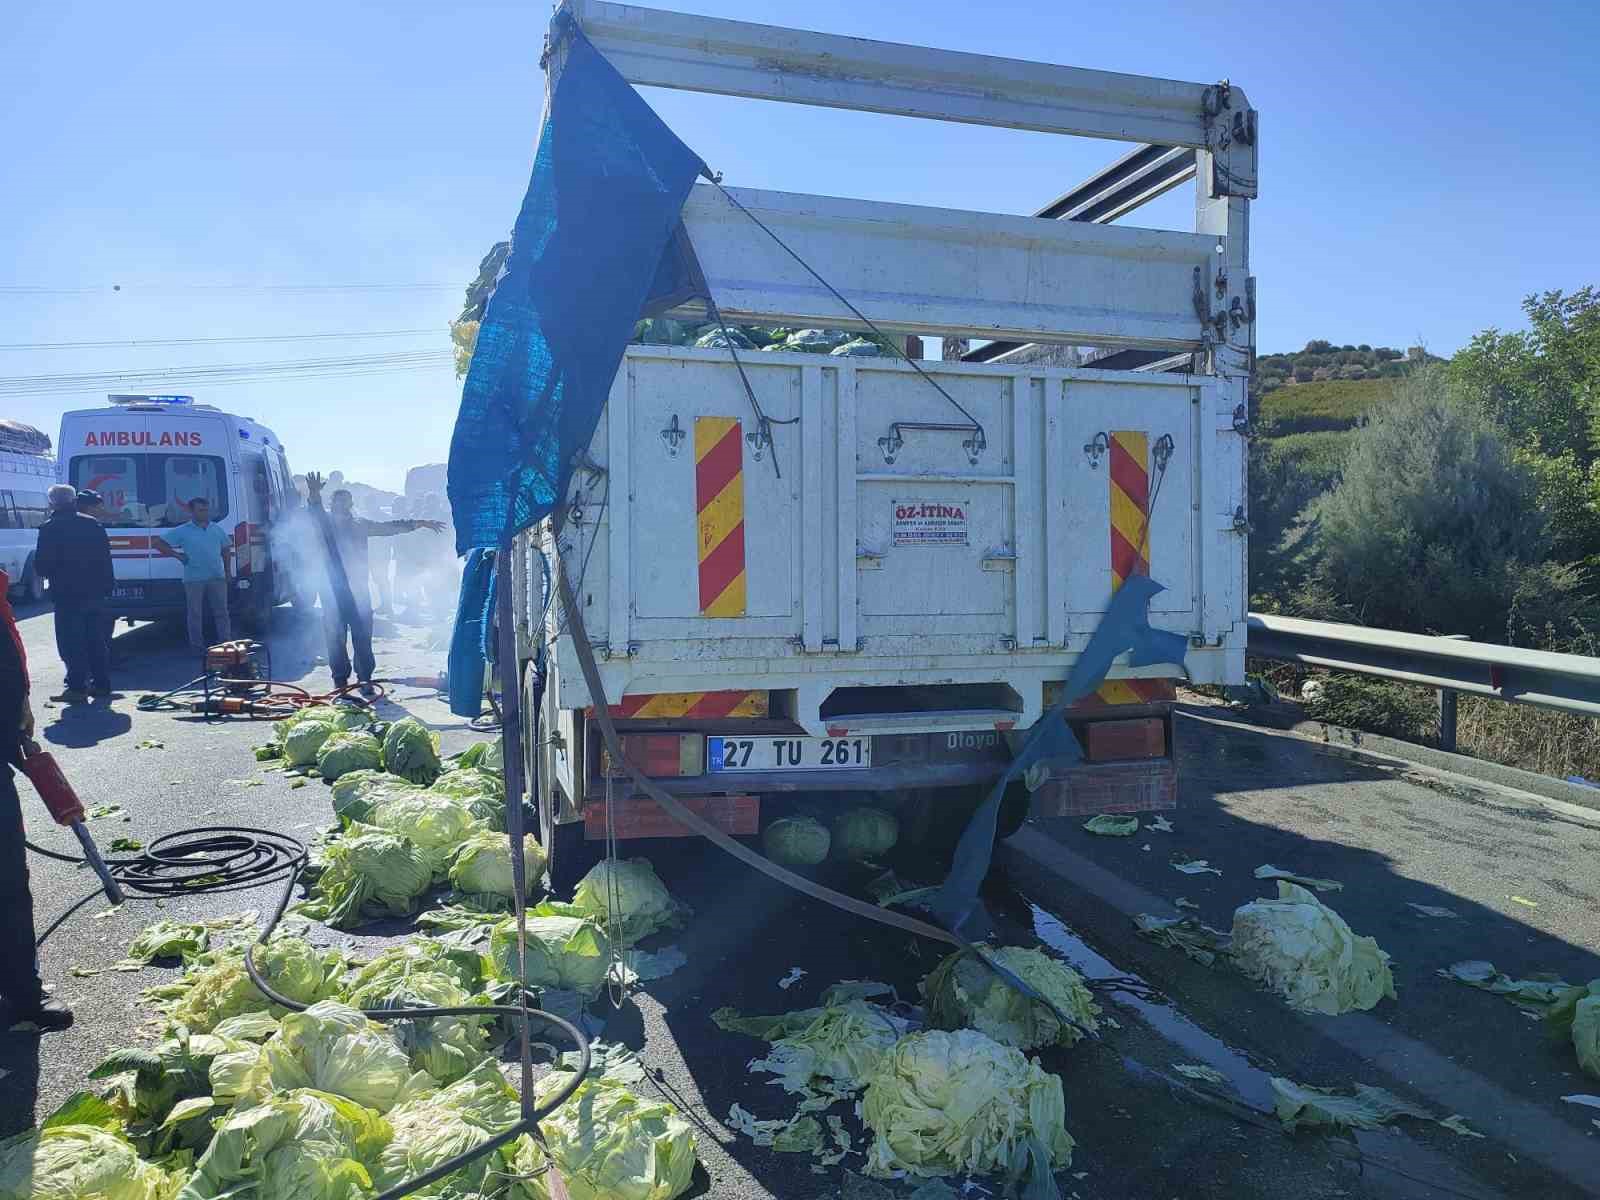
{"x": 1377, "y": 706}
{"x": 1432, "y": 528}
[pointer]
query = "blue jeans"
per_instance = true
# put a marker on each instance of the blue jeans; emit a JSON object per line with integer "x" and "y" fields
{"x": 81, "y": 642}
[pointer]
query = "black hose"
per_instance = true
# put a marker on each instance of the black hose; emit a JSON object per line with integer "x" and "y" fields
{"x": 213, "y": 860}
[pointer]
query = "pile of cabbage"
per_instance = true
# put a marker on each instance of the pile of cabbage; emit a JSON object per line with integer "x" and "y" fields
{"x": 243, "y": 1096}
{"x": 397, "y": 838}
{"x": 297, "y": 739}
{"x": 935, "y": 1101}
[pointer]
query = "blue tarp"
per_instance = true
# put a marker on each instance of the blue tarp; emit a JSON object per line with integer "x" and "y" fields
{"x": 596, "y": 245}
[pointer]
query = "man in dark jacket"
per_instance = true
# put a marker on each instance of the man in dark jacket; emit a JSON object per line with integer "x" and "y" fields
{"x": 74, "y": 556}
{"x": 20, "y": 986}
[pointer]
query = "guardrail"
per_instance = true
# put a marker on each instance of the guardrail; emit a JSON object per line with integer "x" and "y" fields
{"x": 1565, "y": 682}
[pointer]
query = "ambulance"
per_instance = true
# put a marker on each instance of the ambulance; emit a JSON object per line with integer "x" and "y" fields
{"x": 148, "y": 457}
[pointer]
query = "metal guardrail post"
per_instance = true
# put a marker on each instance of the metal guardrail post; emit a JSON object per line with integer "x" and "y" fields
{"x": 1447, "y": 719}
{"x": 1447, "y": 707}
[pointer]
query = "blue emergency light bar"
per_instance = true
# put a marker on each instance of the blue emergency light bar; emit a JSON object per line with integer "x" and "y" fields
{"x": 123, "y": 399}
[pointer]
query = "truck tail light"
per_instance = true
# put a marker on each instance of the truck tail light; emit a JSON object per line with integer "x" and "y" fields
{"x": 660, "y": 755}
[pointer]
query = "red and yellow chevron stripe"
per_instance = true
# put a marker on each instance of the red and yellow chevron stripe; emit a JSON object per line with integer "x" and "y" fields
{"x": 1130, "y": 691}
{"x": 694, "y": 705}
{"x": 1130, "y": 506}
{"x": 719, "y": 512}
{"x": 1118, "y": 691}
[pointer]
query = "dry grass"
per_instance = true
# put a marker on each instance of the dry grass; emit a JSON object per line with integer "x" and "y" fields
{"x": 1534, "y": 739}
{"x": 1515, "y": 735}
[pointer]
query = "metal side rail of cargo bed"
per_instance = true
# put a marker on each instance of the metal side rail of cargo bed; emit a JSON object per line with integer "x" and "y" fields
{"x": 810, "y": 577}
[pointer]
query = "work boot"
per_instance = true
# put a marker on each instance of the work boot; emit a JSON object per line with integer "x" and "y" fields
{"x": 368, "y": 691}
{"x": 48, "y": 1013}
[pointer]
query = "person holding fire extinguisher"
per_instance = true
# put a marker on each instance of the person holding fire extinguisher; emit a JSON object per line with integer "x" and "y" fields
{"x": 20, "y": 985}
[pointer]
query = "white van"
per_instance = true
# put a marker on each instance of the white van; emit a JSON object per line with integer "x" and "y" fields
{"x": 148, "y": 457}
{"x": 24, "y": 479}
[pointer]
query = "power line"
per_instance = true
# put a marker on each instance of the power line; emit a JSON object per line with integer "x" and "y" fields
{"x": 216, "y": 373}
{"x": 220, "y": 341}
{"x": 24, "y": 289}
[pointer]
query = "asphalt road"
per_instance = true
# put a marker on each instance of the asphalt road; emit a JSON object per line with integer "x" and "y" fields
{"x": 1141, "y": 1130}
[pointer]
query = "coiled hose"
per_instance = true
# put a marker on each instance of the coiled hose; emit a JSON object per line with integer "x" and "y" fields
{"x": 217, "y": 859}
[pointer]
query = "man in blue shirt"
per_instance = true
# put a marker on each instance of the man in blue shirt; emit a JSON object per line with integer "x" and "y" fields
{"x": 203, "y": 549}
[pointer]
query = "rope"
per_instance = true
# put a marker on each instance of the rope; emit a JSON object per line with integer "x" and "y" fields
{"x": 977, "y": 426}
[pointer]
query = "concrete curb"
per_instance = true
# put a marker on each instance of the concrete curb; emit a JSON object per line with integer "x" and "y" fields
{"x": 1372, "y": 744}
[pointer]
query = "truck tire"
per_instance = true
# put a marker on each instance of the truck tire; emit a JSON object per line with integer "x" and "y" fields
{"x": 935, "y": 819}
{"x": 570, "y": 856}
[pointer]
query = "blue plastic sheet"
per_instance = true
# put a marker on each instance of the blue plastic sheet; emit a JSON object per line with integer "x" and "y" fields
{"x": 596, "y": 245}
{"x": 464, "y": 674}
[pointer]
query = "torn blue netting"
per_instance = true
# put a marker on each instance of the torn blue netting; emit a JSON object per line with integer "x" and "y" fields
{"x": 1125, "y": 627}
{"x": 596, "y": 246}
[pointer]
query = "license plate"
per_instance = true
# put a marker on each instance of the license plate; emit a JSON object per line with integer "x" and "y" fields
{"x": 127, "y": 593}
{"x": 788, "y": 754}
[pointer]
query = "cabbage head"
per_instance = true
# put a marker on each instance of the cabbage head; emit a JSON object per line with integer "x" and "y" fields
{"x": 350, "y": 751}
{"x": 299, "y": 1145}
{"x": 481, "y": 868}
{"x": 436, "y": 824}
{"x": 344, "y": 716}
{"x": 1576, "y": 1011}
{"x": 367, "y": 874}
{"x": 962, "y": 993}
{"x": 608, "y": 1144}
{"x": 78, "y": 1162}
{"x": 834, "y": 1050}
{"x": 169, "y": 939}
{"x": 1304, "y": 951}
{"x": 484, "y": 755}
{"x": 960, "y": 1103}
{"x": 355, "y": 792}
{"x": 566, "y": 949}
{"x": 411, "y": 751}
{"x": 796, "y": 841}
{"x": 436, "y": 1127}
{"x": 644, "y": 905}
{"x": 426, "y": 974}
{"x": 483, "y": 795}
{"x": 301, "y": 744}
{"x": 216, "y": 986}
{"x": 470, "y": 781}
{"x": 333, "y": 1048}
{"x": 865, "y": 833}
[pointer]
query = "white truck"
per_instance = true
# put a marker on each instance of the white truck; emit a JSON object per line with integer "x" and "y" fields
{"x": 883, "y": 594}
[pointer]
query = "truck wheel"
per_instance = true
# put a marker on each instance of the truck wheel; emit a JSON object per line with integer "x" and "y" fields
{"x": 571, "y": 856}
{"x": 936, "y": 819}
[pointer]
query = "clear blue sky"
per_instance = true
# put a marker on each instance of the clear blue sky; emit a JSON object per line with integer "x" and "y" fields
{"x": 1423, "y": 167}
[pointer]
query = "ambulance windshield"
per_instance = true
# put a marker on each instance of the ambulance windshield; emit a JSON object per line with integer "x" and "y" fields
{"x": 151, "y": 491}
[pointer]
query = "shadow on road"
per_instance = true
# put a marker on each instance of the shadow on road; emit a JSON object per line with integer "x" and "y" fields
{"x": 79, "y": 725}
{"x": 1395, "y": 838}
{"x": 19, "y": 1086}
